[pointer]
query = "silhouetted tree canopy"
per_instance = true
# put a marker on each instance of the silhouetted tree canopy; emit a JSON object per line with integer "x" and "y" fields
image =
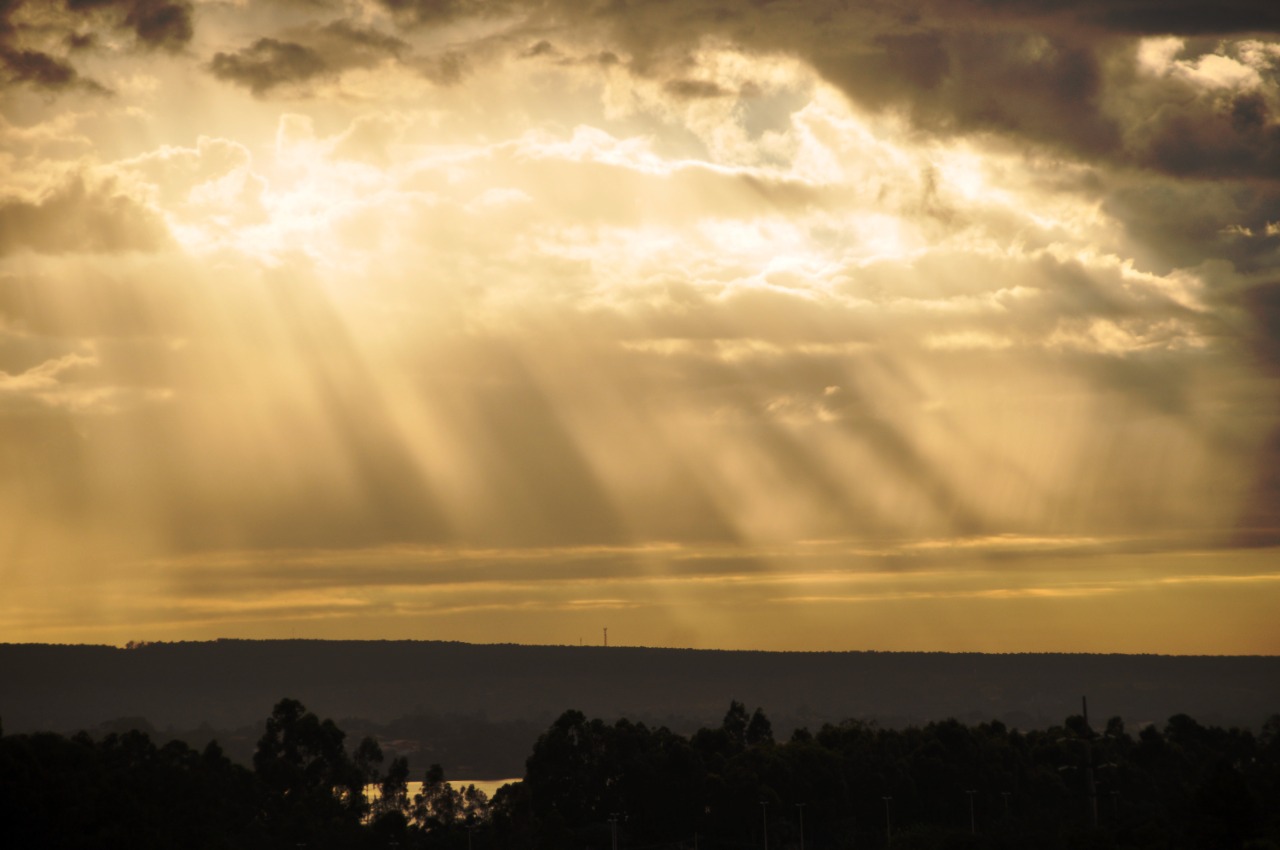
{"x": 943, "y": 785}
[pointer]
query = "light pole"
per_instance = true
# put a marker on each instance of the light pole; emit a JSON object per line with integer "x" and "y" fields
{"x": 800, "y": 807}
{"x": 888, "y": 826}
{"x": 973, "y": 825}
{"x": 764, "y": 813}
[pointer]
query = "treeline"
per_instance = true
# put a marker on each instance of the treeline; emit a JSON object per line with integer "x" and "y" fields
{"x": 589, "y": 783}
{"x": 307, "y": 788}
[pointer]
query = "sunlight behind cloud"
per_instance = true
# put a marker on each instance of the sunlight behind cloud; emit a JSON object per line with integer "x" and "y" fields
{"x": 536, "y": 284}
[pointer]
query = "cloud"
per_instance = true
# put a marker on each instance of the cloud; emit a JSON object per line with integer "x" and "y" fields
{"x": 444, "y": 69}
{"x": 69, "y": 383}
{"x": 542, "y": 48}
{"x": 1181, "y": 17}
{"x": 692, "y": 89}
{"x": 1182, "y": 222}
{"x": 1056, "y": 75}
{"x": 163, "y": 24}
{"x": 318, "y": 52}
{"x": 347, "y": 44}
{"x": 44, "y": 376}
{"x": 29, "y": 31}
{"x": 44, "y": 71}
{"x": 79, "y": 41}
{"x": 268, "y": 63}
{"x": 568, "y": 285}
{"x": 421, "y": 12}
{"x": 160, "y": 24}
{"x": 368, "y": 137}
{"x": 79, "y": 217}
{"x": 1043, "y": 75}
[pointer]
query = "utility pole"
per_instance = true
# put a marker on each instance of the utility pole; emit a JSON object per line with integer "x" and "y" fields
{"x": 973, "y": 824}
{"x": 800, "y": 806}
{"x": 606, "y": 635}
{"x": 613, "y": 828}
{"x": 888, "y": 826}
{"x": 764, "y": 813}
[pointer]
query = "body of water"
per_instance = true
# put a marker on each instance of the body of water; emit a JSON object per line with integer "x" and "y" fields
{"x": 488, "y": 786}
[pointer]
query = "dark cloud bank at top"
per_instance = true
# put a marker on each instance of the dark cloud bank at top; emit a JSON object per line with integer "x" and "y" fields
{"x": 1060, "y": 77}
{"x": 1035, "y": 72}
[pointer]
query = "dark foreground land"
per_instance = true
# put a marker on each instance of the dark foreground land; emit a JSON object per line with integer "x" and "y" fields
{"x": 730, "y": 786}
{"x": 477, "y": 709}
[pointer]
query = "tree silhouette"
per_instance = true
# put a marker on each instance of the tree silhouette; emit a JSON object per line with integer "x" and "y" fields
{"x": 315, "y": 790}
{"x": 1184, "y": 787}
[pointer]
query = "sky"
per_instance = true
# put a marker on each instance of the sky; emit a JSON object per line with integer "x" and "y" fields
{"x": 946, "y": 326}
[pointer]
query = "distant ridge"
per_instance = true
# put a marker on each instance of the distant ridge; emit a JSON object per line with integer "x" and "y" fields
{"x": 228, "y": 683}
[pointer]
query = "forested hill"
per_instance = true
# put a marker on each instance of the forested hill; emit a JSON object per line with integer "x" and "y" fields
{"x": 228, "y": 683}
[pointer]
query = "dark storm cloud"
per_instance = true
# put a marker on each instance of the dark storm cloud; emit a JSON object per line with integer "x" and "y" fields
{"x": 24, "y": 64}
{"x": 1033, "y": 71}
{"x": 42, "y": 70}
{"x": 155, "y": 23}
{"x": 24, "y": 58}
{"x": 268, "y": 63}
{"x": 1021, "y": 84}
{"x": 1181, "y": 223}
{"x": 160, "y": 24}
{"x": 1175, "y": 17}
{"x": 921, "y": 59}
{"x": 1249, "y": 112}
{"x": 312, "y": 53}
{"x": 1233, "y": 140}
{"x": 1141, "y": 17}
{"x": 1036, "y": 71}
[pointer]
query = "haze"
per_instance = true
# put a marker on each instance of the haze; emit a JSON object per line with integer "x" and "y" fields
{"x": 928, "y": 326}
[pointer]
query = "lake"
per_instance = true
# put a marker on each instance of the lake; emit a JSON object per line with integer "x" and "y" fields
{"x": 488, "y": 786}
